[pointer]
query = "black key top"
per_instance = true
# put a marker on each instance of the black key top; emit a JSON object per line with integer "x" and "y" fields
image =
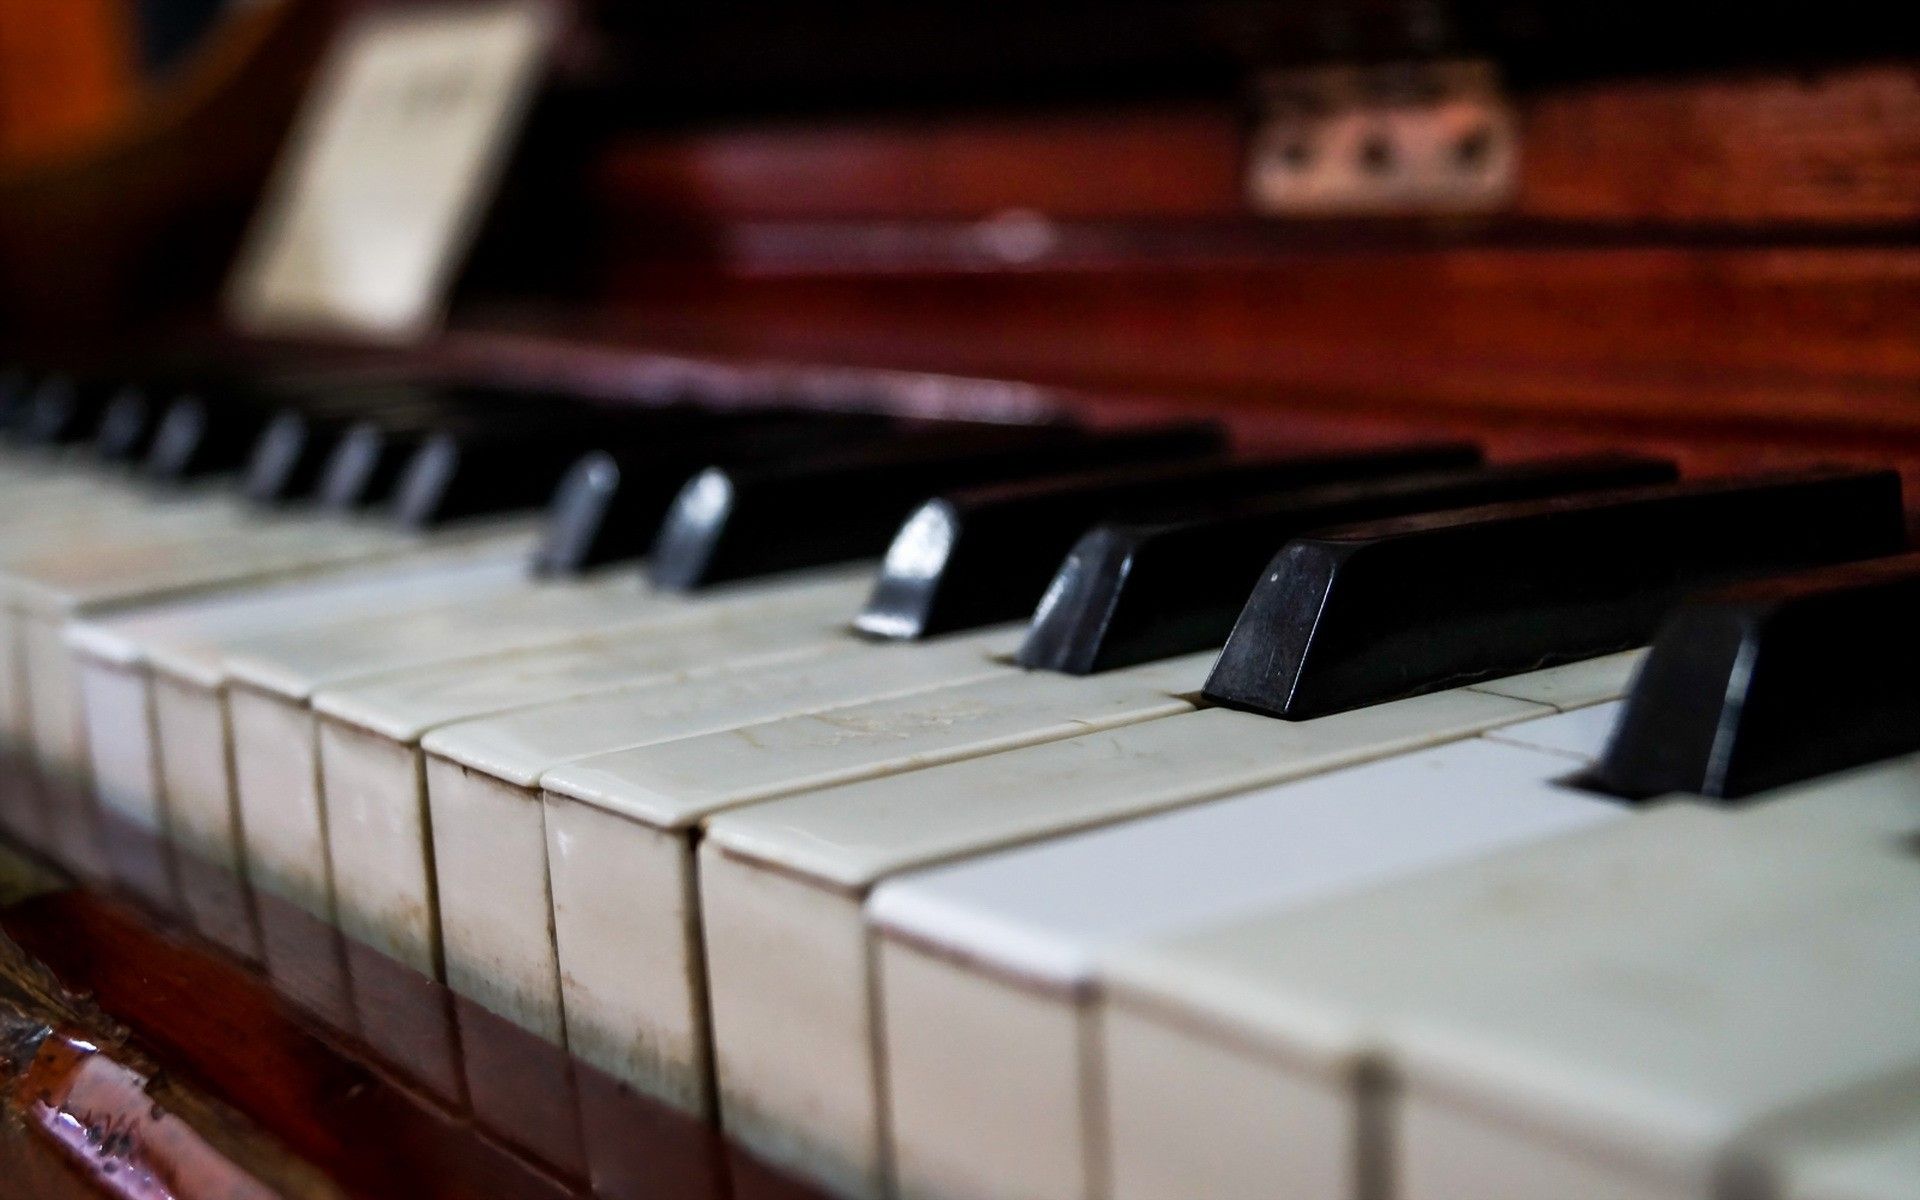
{"x": 1130, "y": 594}
{"x": 291, "y": 455}
{"x": 64, "y": 408}
{"x": 128, "y": 424}
{"x": 138, "y": 405}
{"x": 16, "y": 390}
{"x": 734, "y": 523}
{"x": 1399, "y": 607}
{"x": 496, "y": 464}
{"x": 298, "y": 444}
{"x": 1772, "y": 682}
{"x": 366, "y": 464}
{"x": 202, "y": 434}
{"x": 368, "y": 457}
{"x": 983, "y": 555}
{"x": 609, "y": 506}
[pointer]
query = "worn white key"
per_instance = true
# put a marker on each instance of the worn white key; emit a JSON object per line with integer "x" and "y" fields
{"x": 490, "y": 835}
{"x": 1581, "y": 735}
{"x": 372, "y": 781}
{"x": 275, "y": 736}
{"x": 688, "y": 780}
{"x": 57, "y": 593}
{"x": 116, "y": 655}
{"x": 632, "y": 967}
{"x": 825, "y": 849}
{"x": 139, "y": 676}
{"x": 170, "y": 556}
{"x": 1607, "y": 1014}
{"x": 1572, "y": 685}
{"x": 987, "y": 969}
{"x": 1863, "y": 1145}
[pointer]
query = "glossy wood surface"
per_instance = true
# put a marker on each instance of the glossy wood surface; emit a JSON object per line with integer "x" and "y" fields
{"x": 187, "y": 1071}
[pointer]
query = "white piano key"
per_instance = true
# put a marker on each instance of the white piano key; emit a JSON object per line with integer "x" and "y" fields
{"x": 46, "y": 602}
{"x": 188, "y": 678}
{"x": 1606, "y": 1014}
{"x": 21, "y": 810}
{"x": 607, "y": 995}
{"x": 272, "y": 679}
{"x": 276, "y": 787}
{"x": 1581, "y": 735}
{"x": 372, "y": 776}
{"x": 120, "y": 736}
{"x": 39, "y": 557}
{"x": 1864, "y": 1145}
{"x": 197, "y": 795}
{"x": 497, "y": 927}
{"x": 1572, "y": 685}
{"x": 679, "y": 783}
{"x": 13, "y": 712}
{"x": 987, "y": 968}
{"x": 116, "y": 656}
{"x": 825, "y": 849}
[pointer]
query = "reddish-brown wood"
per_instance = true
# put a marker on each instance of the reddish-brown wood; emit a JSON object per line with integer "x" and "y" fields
{"x": 343, "y": 1073}
{"x": 66, "y": 71}
{"x": 1796, "y": 338}
{"x": 1840, "y": 149}
{"x": 141, "y": 222}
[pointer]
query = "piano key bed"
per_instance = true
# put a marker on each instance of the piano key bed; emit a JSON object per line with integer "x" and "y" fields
{"x": 953, "y": 811}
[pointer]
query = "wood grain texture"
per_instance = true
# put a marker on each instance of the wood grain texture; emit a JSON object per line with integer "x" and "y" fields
{"x": 1836, "y": 149}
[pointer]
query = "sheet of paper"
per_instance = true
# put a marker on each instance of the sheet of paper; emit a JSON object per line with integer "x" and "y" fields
{"x": 389, "y": 169}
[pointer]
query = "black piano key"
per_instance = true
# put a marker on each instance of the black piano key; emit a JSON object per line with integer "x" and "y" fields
{"x": 1769, "y": 683}
{"x": 735, "y": 523}
{"x": 128, "y": 424}
{"x": 16, "y": 390}
{"x": 609, "y": 506}
{"x": 293, "y": 453}
{"x": 1395, "y": 608}
{"x": 1129, "y": 594}
{"x": 504, "y": 463}
{"x": 64, "y": 408}
{"x": 200, "y": 435}
{"x": 365, "y": 465}
{"x": 458, "y": 474}
{"x": 983, "y": 555}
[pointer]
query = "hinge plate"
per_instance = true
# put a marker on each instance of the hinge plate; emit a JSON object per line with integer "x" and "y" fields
{"x": 1402, "y": 139}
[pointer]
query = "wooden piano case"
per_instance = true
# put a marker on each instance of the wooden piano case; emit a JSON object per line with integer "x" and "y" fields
{"x": 1706, "y": 243}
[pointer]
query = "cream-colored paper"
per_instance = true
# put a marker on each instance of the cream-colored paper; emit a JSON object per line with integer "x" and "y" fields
{"x": 389, "y": 169}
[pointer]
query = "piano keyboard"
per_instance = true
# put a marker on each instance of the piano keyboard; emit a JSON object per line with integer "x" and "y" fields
{"x": 958, "y": 811}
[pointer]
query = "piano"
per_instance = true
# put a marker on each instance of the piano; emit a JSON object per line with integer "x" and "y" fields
{"x": 1094, "y": 602}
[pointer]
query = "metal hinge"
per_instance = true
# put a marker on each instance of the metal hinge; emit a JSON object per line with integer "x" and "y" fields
{"x": 1378, "y": 140}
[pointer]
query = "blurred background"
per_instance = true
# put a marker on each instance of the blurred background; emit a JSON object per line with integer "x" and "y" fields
{"x": 71, "y": 68}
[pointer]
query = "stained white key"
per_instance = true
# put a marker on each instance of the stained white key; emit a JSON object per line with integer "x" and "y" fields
{"x": 825, "y": 849}
{"x": 685, "y": 781}
{"x": 372, "y": 779}
{"x": 616, "y": 829}
{"x": 1607, "y": 1014}
{"x": 988, "y": 969}
{"x": 491, "y": 838}
{"x": 275, "y": 735}
{"x": 139, "y": 675}
{"x": 52, "y": 592}
{"x": 117, "y": 654}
